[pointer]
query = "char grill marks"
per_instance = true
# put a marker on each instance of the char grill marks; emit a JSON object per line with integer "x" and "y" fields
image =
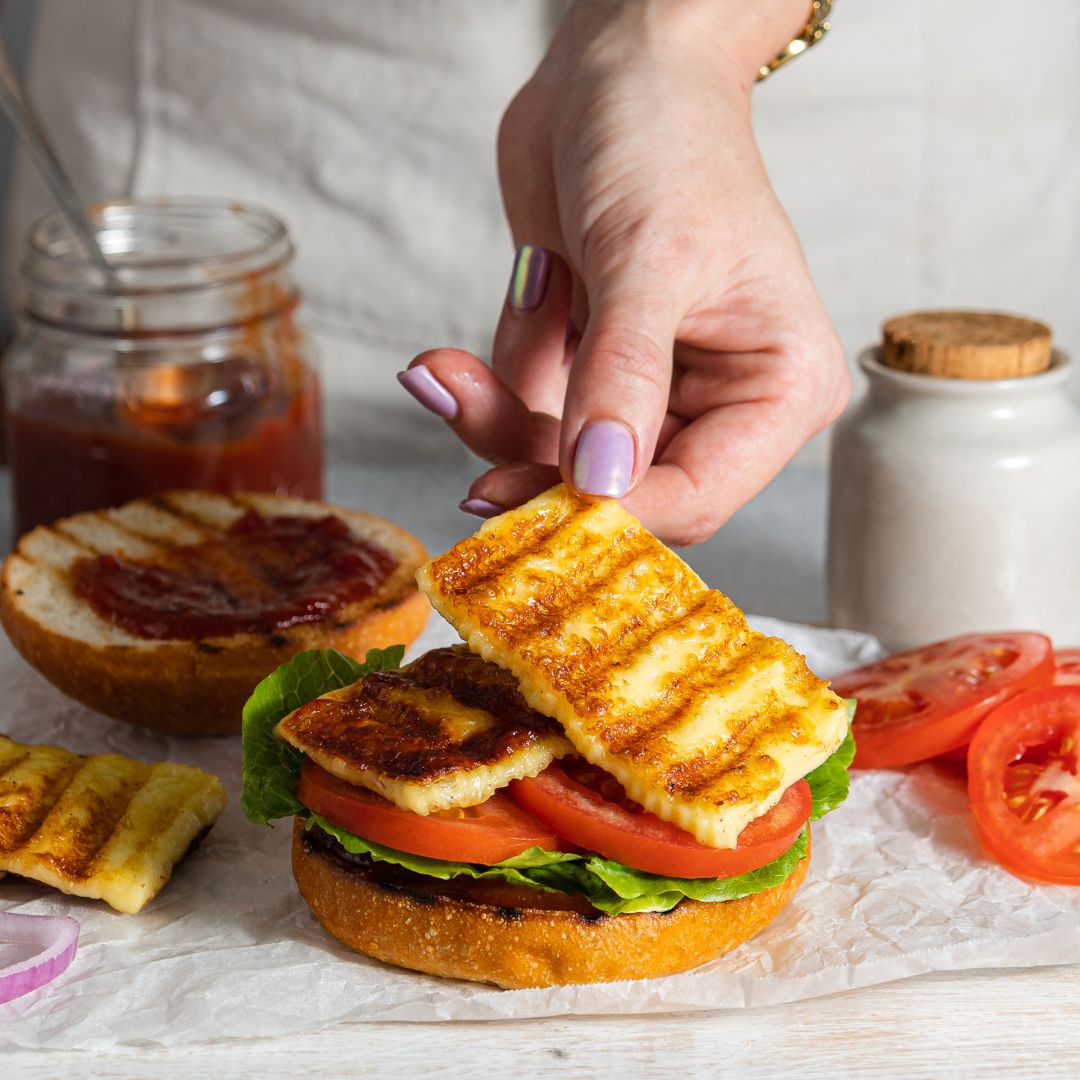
{"x": 654, "y": 677}
{"x": 193, "y": 565}
{"x": 445, "y": 731}
{"x": 446, "y": 712}
{"x": 105, "y": 827}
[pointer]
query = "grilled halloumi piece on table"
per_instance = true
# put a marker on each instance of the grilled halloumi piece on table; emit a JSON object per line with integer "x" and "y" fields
{"x": 653, "y": 676}
{"x": 445, "y": 731}
{"x": 105, "y": 826}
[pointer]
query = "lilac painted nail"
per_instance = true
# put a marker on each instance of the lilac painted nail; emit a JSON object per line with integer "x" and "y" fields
{"x": 529, "y": 278}
{"x": 429, "y": 392}
{"x": 480, "y": 508}
{"x": 604, "y": 459}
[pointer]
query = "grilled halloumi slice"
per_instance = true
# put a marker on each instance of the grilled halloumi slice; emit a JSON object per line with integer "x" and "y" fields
{"x": 105, "y": 827}
{"x": 445, "y": 731}
{"x": 653, "y": 676}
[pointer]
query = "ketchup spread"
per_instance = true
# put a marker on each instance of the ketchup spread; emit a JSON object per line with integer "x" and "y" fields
{"x": 262, "y": 575}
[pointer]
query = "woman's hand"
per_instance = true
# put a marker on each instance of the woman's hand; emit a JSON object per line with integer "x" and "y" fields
{"x": 662, "y": 341}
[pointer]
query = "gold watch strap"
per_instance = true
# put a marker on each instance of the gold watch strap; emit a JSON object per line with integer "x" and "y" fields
{"x": 816, "y": 28}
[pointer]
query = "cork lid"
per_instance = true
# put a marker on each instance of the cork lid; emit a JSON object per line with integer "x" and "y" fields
{"x": 966, "y": 344}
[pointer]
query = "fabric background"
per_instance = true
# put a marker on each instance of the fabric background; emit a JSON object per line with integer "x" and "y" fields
{"x": 928, "y": 154}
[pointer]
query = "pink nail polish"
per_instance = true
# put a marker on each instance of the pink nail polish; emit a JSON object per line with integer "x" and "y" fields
{"x": 480, "y": 508}
{"x": 604, "y": 459}
{"x": 429, "y": 392}
{"x": 529, "y": 278}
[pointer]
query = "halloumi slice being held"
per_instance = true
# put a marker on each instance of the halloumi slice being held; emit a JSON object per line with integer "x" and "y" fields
{"x": 653, "y": 676}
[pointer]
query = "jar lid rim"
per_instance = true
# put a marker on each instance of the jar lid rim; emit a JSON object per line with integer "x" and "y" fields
{"x": 51, "y": 240}
{"x": 1058, "y": 372}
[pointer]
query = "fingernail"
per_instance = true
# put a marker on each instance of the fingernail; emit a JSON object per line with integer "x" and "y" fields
{"x": 604, "y": 459}
{"x": 529, "y": 279}
{"x": 429, "y": 392}
{"x": 480, "y": 508}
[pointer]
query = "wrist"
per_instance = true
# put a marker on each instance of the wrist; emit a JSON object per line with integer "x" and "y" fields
{"x": 746, "y": 35}
{"x": 737, "y": 37}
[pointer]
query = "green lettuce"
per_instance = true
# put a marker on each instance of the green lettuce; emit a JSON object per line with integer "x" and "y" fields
{"x": 829, "y": 782}
{"x": 272, "y": 768}
{"x": 608, "y": 885}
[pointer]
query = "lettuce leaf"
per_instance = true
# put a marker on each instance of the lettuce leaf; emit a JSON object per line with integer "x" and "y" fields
{"x": 829, "y": 782}
{"x": 272, "y": 768}
{"x": 635, "y": 886}
{"x": 609, "y": 886}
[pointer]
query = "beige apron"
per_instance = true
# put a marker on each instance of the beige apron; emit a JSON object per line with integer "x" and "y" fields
{"x": 928, "y": 153}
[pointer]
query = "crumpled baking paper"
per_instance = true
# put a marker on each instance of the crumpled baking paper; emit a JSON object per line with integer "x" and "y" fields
{"x": 897, "y": 886}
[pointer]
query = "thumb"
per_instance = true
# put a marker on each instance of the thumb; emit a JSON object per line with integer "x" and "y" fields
{"x": 619, "y": 386}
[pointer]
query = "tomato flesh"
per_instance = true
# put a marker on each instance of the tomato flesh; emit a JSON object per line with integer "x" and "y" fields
{"x": 1024, "y": 784}
{"x": 489, "y": 833}
{"x": 587, "y": 807}
{"x": 574, "y": 807}
{"x": 1067, "y": 667}
{"x": 927, "y": 701}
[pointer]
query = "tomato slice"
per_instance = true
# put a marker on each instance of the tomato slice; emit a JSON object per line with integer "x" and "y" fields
{"x": 588, "y": 807}
{"x": 921, "y": 703}
{"x": 1067, "y": 667}
{"x": 489, "y": 833}
{"x": 1024, "y": 785}
{"x": 957, "y": 754}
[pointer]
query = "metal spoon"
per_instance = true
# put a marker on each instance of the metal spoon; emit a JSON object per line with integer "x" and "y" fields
{"x": 16, "y": 104}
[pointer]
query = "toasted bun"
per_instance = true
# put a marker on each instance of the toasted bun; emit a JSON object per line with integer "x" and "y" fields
{"x": 180, "y": 686}
{"x": 517, "y": 947}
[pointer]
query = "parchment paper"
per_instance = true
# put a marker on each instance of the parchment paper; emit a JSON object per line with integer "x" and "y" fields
{"x": 897, "y": 886}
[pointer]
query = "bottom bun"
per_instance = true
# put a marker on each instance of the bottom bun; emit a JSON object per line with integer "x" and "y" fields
{"x": 372, "y": 909}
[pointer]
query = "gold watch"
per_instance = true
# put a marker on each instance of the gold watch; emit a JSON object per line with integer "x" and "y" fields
{"x": 816, "y": 28}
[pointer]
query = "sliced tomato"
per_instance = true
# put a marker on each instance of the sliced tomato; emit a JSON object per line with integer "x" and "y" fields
{"x": 588, "y": 807}
{"x": 957, "y": 755}
{"x": 1024, "y": 785}
{"x": 489, "y": 833}
{"x": 924, "y": 702}
{"x": 1067, "y": 667}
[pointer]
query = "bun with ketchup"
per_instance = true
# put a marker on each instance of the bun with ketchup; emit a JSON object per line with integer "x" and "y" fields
{"x": 612, "y": 779}
{"x": 166, "y": 612}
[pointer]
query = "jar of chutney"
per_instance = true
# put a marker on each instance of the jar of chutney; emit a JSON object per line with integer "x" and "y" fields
{"x": 181, "y": 366}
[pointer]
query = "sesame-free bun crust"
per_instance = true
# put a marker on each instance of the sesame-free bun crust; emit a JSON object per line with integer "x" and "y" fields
{"x": 521, "y": 947}
{"x": 182, "y": 686}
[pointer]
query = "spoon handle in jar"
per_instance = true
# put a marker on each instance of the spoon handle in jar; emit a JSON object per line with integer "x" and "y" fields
{"x": 16, "y": 105}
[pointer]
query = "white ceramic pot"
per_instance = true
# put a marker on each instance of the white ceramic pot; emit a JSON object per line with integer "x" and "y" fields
{"x": 955, "y": 507}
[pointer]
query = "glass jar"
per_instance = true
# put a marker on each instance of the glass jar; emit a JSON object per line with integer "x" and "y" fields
{"x": 180, "y": 367}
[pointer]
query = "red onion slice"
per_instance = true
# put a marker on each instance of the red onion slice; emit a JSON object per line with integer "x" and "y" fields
{"x": 58, "y": 937}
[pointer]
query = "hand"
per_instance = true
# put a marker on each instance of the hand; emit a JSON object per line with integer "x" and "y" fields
{"x": 698, "y": 358}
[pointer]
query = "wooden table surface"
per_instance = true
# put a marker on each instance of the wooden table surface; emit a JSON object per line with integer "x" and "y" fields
{"x": 978, "y": 1024}
{"x": 986, "y": 1024}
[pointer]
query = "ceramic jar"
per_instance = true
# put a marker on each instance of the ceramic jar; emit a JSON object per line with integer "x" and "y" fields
{"x": 955, "y": 507}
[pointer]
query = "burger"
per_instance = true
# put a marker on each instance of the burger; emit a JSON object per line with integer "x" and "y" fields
{"x": 612, "y": 778}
